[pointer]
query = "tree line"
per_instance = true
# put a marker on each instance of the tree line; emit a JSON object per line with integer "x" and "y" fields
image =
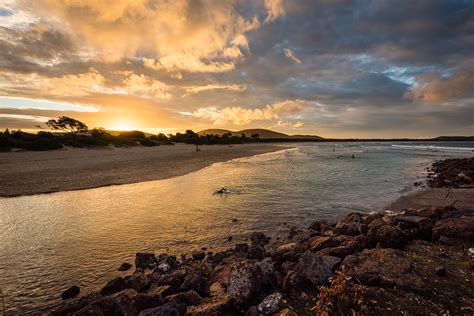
{"x": 67, "y": 131}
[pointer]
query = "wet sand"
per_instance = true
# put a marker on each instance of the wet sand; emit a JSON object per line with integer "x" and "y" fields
{"x": 26, "y": 173}
{"x": 462, "y": 198}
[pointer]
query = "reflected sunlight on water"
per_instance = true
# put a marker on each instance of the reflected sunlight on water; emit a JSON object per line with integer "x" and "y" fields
{"x": 50, "y": 242}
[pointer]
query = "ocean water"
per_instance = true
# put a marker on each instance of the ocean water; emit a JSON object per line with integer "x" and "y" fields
{"x": 50, "y": 242}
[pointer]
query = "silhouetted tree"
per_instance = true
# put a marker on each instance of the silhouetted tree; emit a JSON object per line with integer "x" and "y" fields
{"x": 69, "y": 124}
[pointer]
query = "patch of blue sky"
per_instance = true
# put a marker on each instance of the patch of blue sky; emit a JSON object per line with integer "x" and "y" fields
{"x": 5, "y": 12}
{"x": 26, "y": 103}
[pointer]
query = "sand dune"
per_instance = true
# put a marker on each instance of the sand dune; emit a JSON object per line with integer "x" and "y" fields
{"x": 25, "y": 173}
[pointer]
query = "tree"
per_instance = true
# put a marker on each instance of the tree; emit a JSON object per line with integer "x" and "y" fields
{"x": 255, "y": 136}
{"x": 69, "y": 124}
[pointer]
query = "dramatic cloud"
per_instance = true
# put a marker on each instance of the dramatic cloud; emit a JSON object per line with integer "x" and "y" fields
{"x": 275, "y": 9}
{"x": 364, "y": 67}
{"x": 434, "y": 89}
{"x": 241, "y": 116}
{"x": 210, "y": 87}
{"x": 289, "y": 53}
{"x": 142, "y": 85}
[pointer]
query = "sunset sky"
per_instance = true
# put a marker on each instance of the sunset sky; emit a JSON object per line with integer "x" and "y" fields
{"x": 335, "y": 68}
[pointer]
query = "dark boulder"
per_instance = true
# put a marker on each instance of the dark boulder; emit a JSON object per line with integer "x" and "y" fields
{"x": 310, "y": 273}
{"x": 121, "y": 303}
{"x": 388, "y": 236}
{"x": 321, "y": 242}
{"x": 196, "y": 280}
{"x": 383, "y": 267}
{"x": 125, "y": 266}
{"x": 137, "y": 281}
{"x": 458, "y": 228}
{"x": 256, "y": 252}
{"x": 168, "y": 309}
{"x": 189, "y": 298}
{"x": 115, "y": 285}
{"x": 270, "y": 304}
{"x": 440, "y": 271}
{"x": 241, "y": 249}
{"x": 145, "y": 260}
{"x": 211, "y": 306}
{"x": 259, "y": 239}
{"x": 353, "y": 224}
{"x": 244, "y": 281}
{"x": 71, "y": 292}
{"x": 148, "y": 300}
{"x": 199, "y": 255}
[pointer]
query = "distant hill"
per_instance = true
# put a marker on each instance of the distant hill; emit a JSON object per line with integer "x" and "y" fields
{"x": 262, "y": 133}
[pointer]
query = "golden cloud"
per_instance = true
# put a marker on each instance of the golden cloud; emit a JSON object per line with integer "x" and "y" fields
{"x": 291, "y": 55}
{"x": 432, "y": 88}
{"x": 141, "y": 85}
{"x": 242, "y": 116}
{"x": 180, "y": 35}
{"x": 229, "y": 87}
{"x": 275, "y": 10}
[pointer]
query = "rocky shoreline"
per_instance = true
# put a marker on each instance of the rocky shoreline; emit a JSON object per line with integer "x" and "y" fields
{"x": 403, "y": 262}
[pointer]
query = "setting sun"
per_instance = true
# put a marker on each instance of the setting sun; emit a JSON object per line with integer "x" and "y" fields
{"x": 122, "y": 126}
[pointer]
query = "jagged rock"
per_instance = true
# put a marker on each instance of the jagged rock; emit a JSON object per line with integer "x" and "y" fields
{"x": 168, "y": 309}
{"x": 115, "y": 285}
{"x": 148, "y": 300}
{"x": 331, "y": 262}
{"x": 259, "y": 239}
{"x": 199, "y": 255}
{"x": 121, "y": 303}
{"x": 459, "y": 228}
{"x": 321, "y": 242}
{"x": 220, "y": 256}
{"x": 71, "y": 292}
{"x": 383, "y": 267}
{"x": 301, "y": 236}
{"x": 286, "y": 247}
{"x": 174, "y": 279}
{"x": 256, "y": 252}
{"x": 125, "y": 266}
{"x": 241, "y": 249}
{"x": 440, "y": 271}
{"x": 145, "y": 260}
{"x": 270, "y": 304}
{"x": 189, "y": 298}
{"x": 294, "y": 254}
{"x": 162, "y": 290}
{"x": 245, "y": 280}
{"x": 388, "y": 236}
{"x": 353, "y": 224}
{"x": 267, "y": 268}
{"x": 316, "y": 225}
{"x": 310, "y": 272}
{"x": 137, "y": 281}
{"x": 196, "y": 280}
{"x": 210, "y": 306}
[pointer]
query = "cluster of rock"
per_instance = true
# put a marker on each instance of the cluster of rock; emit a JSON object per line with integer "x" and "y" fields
{"x": 364, "y": 263}
{"x": 457, "y": 172}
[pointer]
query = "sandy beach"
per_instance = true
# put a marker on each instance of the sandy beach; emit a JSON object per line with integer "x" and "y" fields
{"x": 26, "y": 173}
